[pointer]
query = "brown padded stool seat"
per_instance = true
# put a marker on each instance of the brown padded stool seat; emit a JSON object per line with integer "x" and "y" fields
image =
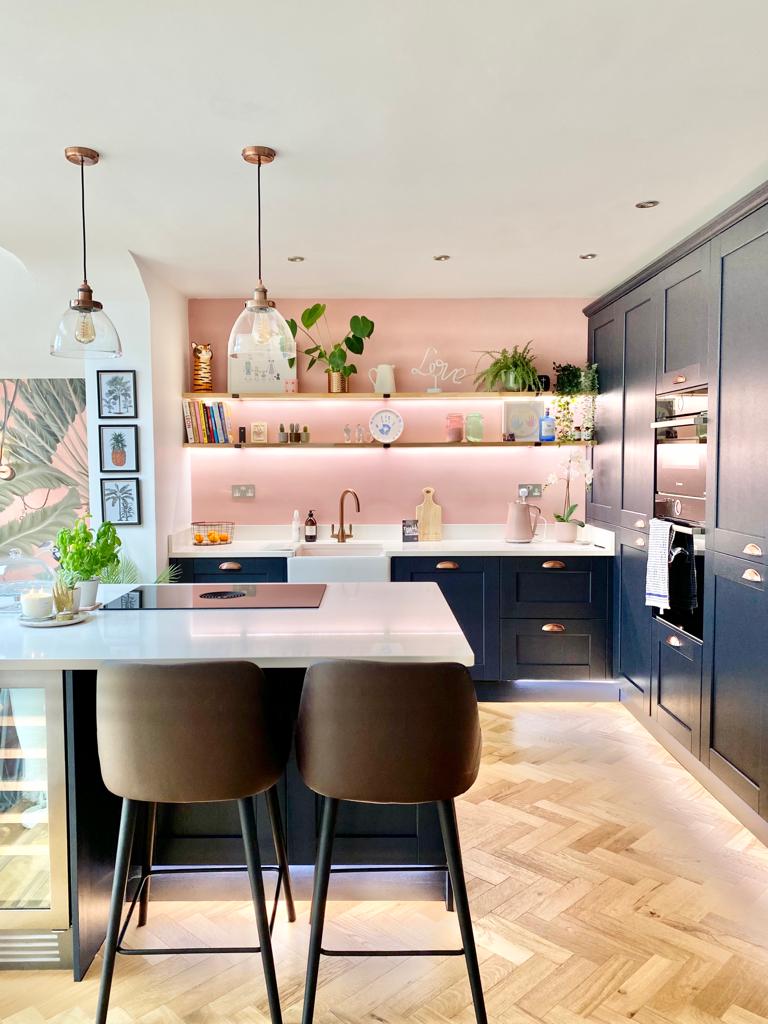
{"x": 188, "y": 733}
{"x": 385, "y": 733}
{"x": 191, "y": 733}
{"x": 388, "y": 733}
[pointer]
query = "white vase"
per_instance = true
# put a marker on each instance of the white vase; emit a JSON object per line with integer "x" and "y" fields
{"x": 566, "y": 532}
{"x": 88, "y": 590}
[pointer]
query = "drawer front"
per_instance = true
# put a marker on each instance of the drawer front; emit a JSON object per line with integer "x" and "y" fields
{"x": 677, "y": 684}
{"x": 247, "y": 570}
{"x": 741, "y": 545}
{"x": 553, "y": 649}
{"x": 572, "y": 588}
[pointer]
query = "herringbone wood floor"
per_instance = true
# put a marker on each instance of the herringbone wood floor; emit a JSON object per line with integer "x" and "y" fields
{"x": 606, "y": 886}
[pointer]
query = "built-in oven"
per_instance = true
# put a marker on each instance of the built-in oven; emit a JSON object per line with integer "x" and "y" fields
{"x": 681, "y": 457}
{"x": 686, "y": 580}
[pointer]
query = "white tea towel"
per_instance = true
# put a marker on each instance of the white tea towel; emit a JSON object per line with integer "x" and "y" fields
{"x": 657, "y": 573}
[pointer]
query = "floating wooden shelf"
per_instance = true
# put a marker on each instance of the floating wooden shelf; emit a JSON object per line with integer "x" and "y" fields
{"x": 405, "y": 444}
{"x": 400, "y": 396}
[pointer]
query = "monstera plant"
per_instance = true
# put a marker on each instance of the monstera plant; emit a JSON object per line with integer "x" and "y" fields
{"x": 42, "y": 438}
{"x": 333, "y": 354}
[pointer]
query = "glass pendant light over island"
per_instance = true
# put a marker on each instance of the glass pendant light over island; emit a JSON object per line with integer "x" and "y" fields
{"x": 259, "y": 324}
{"x": 85, "y": 331}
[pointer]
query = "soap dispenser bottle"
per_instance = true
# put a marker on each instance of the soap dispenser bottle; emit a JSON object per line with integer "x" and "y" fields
{"x": 547, "y": 427}
{"x": 295, "y": 527}
{"x": 310, "y": 527}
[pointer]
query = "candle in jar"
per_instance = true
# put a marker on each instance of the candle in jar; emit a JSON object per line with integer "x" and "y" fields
{"x": 36, "y": 604}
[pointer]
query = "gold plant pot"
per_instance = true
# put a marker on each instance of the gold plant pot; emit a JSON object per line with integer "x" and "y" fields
{"x": 338, "y": 384}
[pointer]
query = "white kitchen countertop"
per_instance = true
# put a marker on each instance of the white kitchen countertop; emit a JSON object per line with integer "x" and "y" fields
{"x": 480, "y": 540}
{"x": 386, "y": 621}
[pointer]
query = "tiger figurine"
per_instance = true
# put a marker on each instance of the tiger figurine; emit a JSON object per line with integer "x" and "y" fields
{"x": 202, "y": 373}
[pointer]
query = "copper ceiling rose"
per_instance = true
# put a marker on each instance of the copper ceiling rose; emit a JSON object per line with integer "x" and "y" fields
{"x": 257, "y": 155}
{"x": 81, "y": 155}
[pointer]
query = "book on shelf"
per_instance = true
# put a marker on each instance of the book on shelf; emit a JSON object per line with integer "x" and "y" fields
{"x": 207, "y": 422}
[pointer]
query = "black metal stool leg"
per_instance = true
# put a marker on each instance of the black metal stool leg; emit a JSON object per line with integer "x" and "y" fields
{"x": 447, "y": 811}
{"x": 122, "y": 867}
{"x": 253, "y": 860}
{"x": 319, "y": 898}
{"x": 449, "y": 904}
{"x": 278, "y": 837}
{"x": 146, "y": 867}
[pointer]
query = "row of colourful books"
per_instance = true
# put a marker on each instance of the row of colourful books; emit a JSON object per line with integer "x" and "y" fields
{"x": 207, "y": 422}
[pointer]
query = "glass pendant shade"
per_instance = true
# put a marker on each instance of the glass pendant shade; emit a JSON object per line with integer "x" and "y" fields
{"x": 260, "y": 326}
{"x": 86, "y": 334}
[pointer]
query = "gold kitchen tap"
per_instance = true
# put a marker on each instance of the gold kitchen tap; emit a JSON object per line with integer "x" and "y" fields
{"x": 342, "y": 535}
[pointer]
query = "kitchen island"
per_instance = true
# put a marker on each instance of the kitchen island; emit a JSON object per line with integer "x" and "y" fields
{"x": 63, "y": 898}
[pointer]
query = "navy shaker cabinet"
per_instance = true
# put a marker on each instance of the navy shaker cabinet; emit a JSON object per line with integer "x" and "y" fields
{"x": 471, "y": 588}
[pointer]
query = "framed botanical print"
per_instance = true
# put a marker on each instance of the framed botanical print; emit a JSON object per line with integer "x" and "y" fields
{"x": 119, "y": 448}
{"x": 121, "y": 501}
{"x": 117, "y": 394}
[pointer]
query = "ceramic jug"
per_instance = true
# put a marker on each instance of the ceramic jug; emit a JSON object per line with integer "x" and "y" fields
{"x": 521, "y": 522}
{"x": 383, "y": 379}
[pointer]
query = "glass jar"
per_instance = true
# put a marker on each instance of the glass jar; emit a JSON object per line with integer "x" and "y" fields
{"x": 19, "y": 574}
{"x": 474, "y": 426}
{"x": 454, "y": 428}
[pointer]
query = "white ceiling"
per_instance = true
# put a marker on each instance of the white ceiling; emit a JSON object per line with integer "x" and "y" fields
{"x": 512, "y": 134}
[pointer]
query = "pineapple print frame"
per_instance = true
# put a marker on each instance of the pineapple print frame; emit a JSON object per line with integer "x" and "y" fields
{"x": 119, "y": 448}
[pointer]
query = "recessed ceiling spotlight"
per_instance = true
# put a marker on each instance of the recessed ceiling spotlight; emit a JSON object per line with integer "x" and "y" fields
{"x": 588, "y": 256}
{"x": 442, "y": 258}
{"x": 647, "y": 204}
{"x": 296, "y": 259}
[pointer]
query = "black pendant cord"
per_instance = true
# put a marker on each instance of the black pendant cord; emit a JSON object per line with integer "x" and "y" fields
{"x": 258, "y": 204}
{"x": 82, "y": 213}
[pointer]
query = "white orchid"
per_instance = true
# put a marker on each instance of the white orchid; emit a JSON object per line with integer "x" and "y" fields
{"x": 574, "y": 466}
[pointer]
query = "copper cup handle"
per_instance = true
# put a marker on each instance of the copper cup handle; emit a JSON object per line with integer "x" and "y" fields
{"x": 752, "y": 549}
{"x": 674, "y": 641}
{"x": 553, "y": 627}
{"x": 447, "y": 565}
{"x": 752, "y": 575}
{"x": 553, "y": 563}
{"x": 230, "y": 566}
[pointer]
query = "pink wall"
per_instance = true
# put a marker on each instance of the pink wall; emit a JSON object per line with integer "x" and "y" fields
{"x": 472, "y": 485}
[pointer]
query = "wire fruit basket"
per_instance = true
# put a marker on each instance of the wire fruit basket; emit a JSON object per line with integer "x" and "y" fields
{"x": 205, "y": 533}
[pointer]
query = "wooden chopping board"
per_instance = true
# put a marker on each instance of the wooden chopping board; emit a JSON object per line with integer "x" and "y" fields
{"x": 429, "y": 516}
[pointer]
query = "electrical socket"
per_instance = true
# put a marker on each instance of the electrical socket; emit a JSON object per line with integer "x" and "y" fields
{"x": 240, "y": 491}
{"x": 534, "y": 490}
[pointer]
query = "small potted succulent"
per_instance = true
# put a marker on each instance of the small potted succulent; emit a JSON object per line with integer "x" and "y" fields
{"x": 566, "y": 526}
{"x": 513, "y": 370}
{"x": 334, "y": 354}
{"x": 83, "y": 555}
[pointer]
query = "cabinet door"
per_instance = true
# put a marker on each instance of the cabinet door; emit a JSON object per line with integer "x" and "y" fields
{"x": 632, "y": 621}
{"x": 471, "y": 588}
{"x": 574, "y": 588}
{"x": 735, "y": 722}
{"x": 553, "y": 649}
{"x": 738, "y": 511}
{"x": 638, "y": 315}
{"x": 685, "y": 291}
{"x": 225, "y": 569}
{"x": 605, "y": 349}
{"x": 677, "y": 684}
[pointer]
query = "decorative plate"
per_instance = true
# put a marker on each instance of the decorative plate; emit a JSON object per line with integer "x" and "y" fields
{"x": 54, "y": 623}
{"x": 386, "y": 425}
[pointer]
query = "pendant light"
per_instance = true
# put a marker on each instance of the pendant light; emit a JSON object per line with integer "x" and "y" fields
{"x": 260, "y": 324}
{"x": 85, "y": 330}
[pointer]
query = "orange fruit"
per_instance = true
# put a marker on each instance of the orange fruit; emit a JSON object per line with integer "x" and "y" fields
{"x": 223, "y": 538}
{"x": 198, "y": 538}
{"x": 213, "y": 537}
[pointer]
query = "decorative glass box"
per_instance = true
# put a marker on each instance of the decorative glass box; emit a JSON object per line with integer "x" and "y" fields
{"x": 19, "y": 573}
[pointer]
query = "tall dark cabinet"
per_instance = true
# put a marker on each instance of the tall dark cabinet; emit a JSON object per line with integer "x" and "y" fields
{"x": 605, "y": 349}
{"x": 684, "y": 294}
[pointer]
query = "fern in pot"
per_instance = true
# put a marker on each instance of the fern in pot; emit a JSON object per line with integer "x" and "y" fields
{"x": 509, "y": 370}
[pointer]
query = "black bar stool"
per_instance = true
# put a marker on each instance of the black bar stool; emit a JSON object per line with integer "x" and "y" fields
{"x": 382, "y": 733}
{"x": 190, "y": 733}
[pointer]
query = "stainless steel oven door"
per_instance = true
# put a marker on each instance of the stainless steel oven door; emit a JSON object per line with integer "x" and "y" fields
{"x": 681, "y": 462}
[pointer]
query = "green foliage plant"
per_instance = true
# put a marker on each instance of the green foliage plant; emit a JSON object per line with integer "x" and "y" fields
{"x": 509, "y": 370}
{"x": 333, "y": 353}
{"x": 83, "y": 554}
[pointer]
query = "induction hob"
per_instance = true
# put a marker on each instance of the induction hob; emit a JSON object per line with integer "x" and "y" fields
{"x": 219, "y": 595}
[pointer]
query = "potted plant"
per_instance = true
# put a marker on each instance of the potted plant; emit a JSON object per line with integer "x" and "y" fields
{"x": 509, "y": 371}
{"x": 83, "y": 555}
{"x": 117, "y": 444}
{"x": 334, "y": 353}
{"x": 566, "y": 526}
{"x": 568, "y": 378}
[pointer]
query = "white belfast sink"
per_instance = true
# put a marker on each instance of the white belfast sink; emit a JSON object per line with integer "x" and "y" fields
{"x": 338, "y": 563}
